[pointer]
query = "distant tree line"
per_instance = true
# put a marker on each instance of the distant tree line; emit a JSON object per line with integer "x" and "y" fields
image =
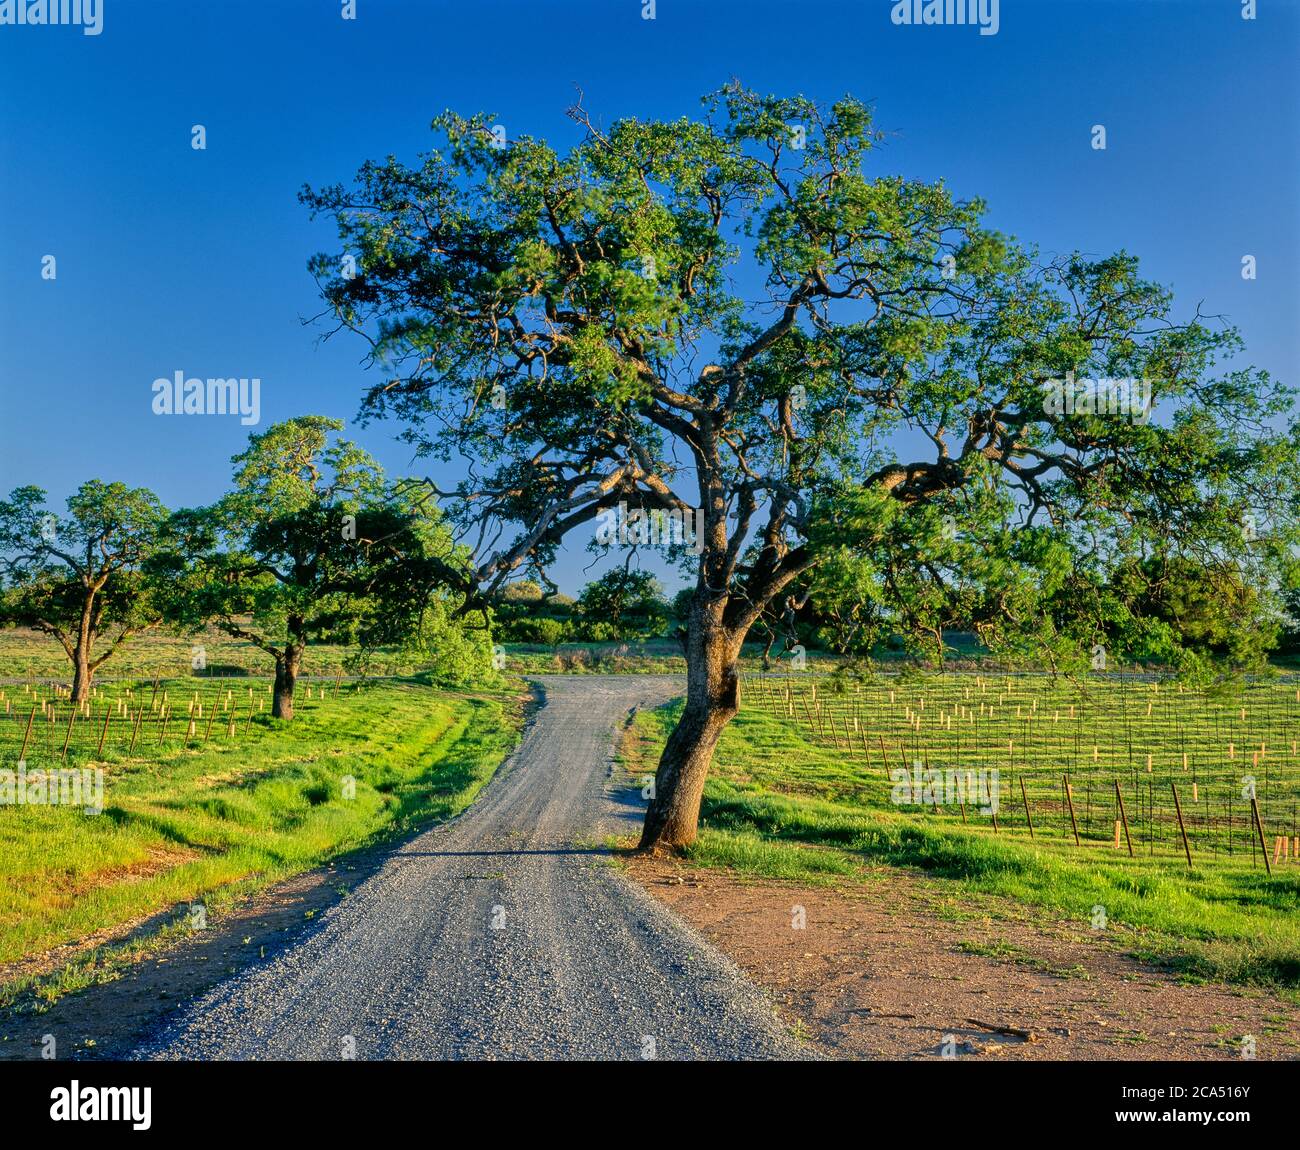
{"x": 621, "y": 605}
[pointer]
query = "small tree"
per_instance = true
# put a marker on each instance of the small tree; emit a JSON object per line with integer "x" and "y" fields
{"x": 83, "y": 576}
{"x": 456, "y": 654}
{"x": 312, "y": 545}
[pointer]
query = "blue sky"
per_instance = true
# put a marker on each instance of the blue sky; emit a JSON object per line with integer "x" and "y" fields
{"x": 174, "y": 259}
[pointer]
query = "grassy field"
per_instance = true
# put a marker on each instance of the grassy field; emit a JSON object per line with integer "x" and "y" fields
{"x": 257, "y": 801}
{"x": 653, "y": 657}
{"x": 27, "y": 655}
{"x": 664, "y": 656}
{"x": 798, "y": 792}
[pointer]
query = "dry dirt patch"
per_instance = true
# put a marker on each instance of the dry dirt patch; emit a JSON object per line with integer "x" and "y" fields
{"x": 887, "y": 970}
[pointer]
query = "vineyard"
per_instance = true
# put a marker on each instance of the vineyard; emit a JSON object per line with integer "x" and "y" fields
{"x": 1119, "y": 762}
{"x": 41, "y": 726}
{"x": 27, "y": 657}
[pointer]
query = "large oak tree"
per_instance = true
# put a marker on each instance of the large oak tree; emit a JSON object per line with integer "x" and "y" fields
{"x": 836, "y": 365}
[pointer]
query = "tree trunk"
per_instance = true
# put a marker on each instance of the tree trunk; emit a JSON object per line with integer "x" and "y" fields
{"x": 81, "y": 674}
{"x": 286, "y": 676}
{"x": 81, "y": 670}
{"x": 712, "y": 700}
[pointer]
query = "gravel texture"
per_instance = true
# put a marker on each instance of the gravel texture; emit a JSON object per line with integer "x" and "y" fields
{"x": 505, "y": 933}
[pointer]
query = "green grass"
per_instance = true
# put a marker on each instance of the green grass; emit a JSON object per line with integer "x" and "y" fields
{"x": 182, "y": 821}
{"x": 25, "y": 654}
{"x": 782, "y": 804}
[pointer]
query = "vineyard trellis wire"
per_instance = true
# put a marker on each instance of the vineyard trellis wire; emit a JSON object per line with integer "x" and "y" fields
{"x": 1130, "y": 762}
{"x": 40, "y": 725}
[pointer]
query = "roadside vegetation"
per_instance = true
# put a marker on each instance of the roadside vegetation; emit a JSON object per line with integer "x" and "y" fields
{"x": 380, "y": 758}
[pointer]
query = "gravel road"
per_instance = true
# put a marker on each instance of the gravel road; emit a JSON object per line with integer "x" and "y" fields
{"x": 505, "y": 933}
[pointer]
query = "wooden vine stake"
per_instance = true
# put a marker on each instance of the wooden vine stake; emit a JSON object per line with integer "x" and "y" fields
{"x": 135, "y": 731}
{"x": 1069, "y": 798}
{"x": 1259, "y": 827}
{"x": 27, "y": 734}
{"x": 1179, "y": 808}
{"x": 1119, "y": 798}
{"x": 108, "y": 714}
{"x": 72, "y": 718}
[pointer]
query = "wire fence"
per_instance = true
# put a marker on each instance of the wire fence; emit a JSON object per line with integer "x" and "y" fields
{"x": 41, "y": 725}
{"x": 1129, "y": 762}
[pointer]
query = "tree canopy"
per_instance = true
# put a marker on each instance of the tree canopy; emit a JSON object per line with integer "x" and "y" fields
{"x": 627, "y": 604}
{"x": 84, "y": 576}
{"x": 312, "y": 544}
{"x": 840, "y": 368}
